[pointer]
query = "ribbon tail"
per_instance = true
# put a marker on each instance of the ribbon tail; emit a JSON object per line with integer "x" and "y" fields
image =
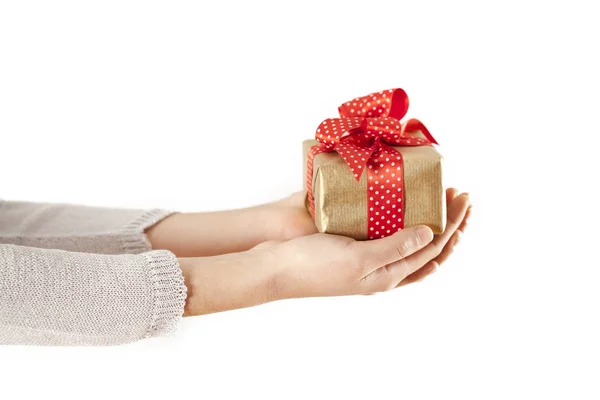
{"x": 416, "y": 125}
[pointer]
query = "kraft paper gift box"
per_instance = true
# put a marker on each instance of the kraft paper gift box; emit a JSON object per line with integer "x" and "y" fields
{"x": 344, "y": 197}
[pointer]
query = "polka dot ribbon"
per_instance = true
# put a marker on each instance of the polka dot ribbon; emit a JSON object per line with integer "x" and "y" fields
{"x": 363, "y": 137}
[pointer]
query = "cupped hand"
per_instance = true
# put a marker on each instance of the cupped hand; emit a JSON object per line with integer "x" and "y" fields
{"x": 289, "y": 218}
{"x": 330, "y": 265}
{"x": 443, "y": 244}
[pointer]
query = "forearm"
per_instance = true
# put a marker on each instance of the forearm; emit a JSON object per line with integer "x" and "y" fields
{"x": 212, "y": 233}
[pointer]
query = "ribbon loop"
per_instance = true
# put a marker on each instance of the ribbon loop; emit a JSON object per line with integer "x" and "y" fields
{"x": 369, "y": 119}
{"x": 387, "y": 103}
{"x": 330, "y": 132}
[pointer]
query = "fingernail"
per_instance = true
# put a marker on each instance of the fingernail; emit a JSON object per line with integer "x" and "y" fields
{"x": 425, "y": 234}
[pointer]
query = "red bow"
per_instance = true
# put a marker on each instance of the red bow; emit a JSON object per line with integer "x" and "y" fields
{"x": 363, "y": 135}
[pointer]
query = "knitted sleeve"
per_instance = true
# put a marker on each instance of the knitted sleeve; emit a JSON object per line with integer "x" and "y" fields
{"x": 57, "y": 297}
{"x": 66, "y": 277}
{"x": 76, "y": 228}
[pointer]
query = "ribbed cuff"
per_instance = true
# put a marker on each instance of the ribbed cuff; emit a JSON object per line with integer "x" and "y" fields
{"x": 169, "y": 292}
{"x": 134, "y": 239}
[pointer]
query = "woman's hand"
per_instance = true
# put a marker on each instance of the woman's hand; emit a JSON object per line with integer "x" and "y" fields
{"x": 318, "y": 265}
{"x": 294, "y": 221}
{"x": 328, "y": 265}
{"x": 289, "y": 217}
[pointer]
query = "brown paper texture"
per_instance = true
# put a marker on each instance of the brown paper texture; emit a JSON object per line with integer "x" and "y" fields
{"x": 341, "y": 201}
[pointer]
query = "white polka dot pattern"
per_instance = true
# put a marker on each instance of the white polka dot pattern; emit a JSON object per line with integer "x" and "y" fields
{"x": 363, "y": 135}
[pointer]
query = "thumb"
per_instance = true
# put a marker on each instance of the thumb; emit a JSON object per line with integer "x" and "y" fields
{"x": 380, "y": 252}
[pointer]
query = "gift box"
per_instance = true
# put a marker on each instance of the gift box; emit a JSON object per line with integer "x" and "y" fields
{"x": 369, "y": 175}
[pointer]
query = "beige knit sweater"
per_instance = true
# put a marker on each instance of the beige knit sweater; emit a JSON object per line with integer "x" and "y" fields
{"x": 74, "y": 275}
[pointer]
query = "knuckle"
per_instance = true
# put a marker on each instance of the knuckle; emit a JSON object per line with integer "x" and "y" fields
{"x": 403, "y": 248}
{"x": 417, "y": 240}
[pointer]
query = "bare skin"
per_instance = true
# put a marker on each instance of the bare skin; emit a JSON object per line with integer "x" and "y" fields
{"x": 241, "y": 258}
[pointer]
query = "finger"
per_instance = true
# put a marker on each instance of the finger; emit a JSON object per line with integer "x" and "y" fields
{"x": 420, "y": 274}
{"x": 465, "y": 222}
{"x": 432, "y": 265}
{"x": 449, "y": 247}
{"x": 451, "y": 194}
{"x": 388, "y": 250}
{"x": 456, "y": 213}
{"x": 454, "y": 240}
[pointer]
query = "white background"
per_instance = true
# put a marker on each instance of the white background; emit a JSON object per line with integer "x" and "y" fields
{"x": 203, "y": 106}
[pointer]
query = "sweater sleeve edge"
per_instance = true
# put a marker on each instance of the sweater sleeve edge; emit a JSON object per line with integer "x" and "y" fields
{"x": 169, "y": 292}
{"x": 134, "y": 239}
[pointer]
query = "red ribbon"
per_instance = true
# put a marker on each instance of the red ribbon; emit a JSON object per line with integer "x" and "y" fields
{"x": 363, "y": 136}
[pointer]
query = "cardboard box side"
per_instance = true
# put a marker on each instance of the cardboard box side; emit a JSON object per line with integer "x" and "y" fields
{"x": 342, "y": 199}
{"x": 424, "y": 193}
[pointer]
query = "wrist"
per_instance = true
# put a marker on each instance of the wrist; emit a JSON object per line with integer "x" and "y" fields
{"x": 212, "y": 233}
{"x": 273, "y": 269}
{"x": 228, "y": 282}
{"x": 187, "y": 270}
{"x": 264, "y": 264}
